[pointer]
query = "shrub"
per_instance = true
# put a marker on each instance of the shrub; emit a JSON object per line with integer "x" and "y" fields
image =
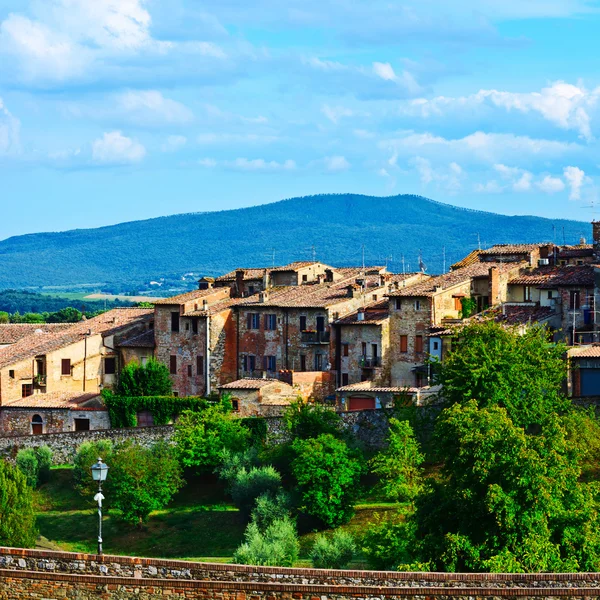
{"x": 388, "y": 542}
{"x": 201, "y": 437}
{"x": 327, "y": 474}
{"x": 304, "y": 420}
{"x": 17, "y": 519}
{"x": 276, "y": 546}
{"x": 27, "y": 462}
{"x": 151, "y": 379}
{"x": 269, "y": 508}
{"x": 247, "y": 485}
{"x": 232, "y": 462}
{"x": 87, "y": 455}
{"x": 143, "y": 479}
{"x": 335, "y": 552}
{"x": 44, "y": 457}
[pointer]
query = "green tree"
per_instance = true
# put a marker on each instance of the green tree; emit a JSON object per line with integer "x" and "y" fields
{"x": 88, "y": 454}
{"x": 201, "y": 437}
{"x": 309, "y": 420}
{"x": 334, "y": 552}
{"x": 398, "y": 466}
{"x": 17, "y": 518}
{"x": 277, "y": 545}
{"x": 151, "y": 379}
{"x": 142, "y": 480}
{"x": 507, "y": 501}
{"x": 65, "y": 315}
{"x": 28, "y": 465}
{"x": 327, "y": 474}
{"x": 498, "y": 367}
{"x": 4, "y": 317}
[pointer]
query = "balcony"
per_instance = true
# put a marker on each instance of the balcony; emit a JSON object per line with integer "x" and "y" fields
{"x": 315, "y": 337}
{"x": 368, "y": 362}
{"x": 40, "y": 380}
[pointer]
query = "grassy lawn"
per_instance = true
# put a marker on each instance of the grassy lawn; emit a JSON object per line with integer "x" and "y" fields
{"x": 198, "y": 524}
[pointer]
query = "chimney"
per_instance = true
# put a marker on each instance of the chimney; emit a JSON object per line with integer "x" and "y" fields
{"x": 205, "y": 304}
{"x": 320, "y": 278}
{"x": 582, "y": 241}
{"x": 266, "y": 279}
{"x": 239, "y": 282}
{"x": 493, "y": 286}
{"x": 360, "y": 315}
{"x": 328, "y": 275}
{"x": 206, "y": 283}
{"x": 596, "y": 240}
{"x": 263, "y": 296}
{"x": 351, "y": 290}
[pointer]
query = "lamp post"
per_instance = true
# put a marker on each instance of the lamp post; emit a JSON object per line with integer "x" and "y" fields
{"x": 99, "y": 473}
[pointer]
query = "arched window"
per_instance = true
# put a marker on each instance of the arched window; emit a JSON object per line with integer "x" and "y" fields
{"x": 37, "y": 425}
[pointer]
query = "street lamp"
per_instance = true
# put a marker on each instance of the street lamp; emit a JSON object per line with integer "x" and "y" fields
{"x": 99, "y": 473}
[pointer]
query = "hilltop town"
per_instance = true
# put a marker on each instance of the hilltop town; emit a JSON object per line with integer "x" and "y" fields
{"x": 352, "y": 337}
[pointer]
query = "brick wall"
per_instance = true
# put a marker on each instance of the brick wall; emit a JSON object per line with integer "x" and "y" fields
{"x": 44, "y": 574}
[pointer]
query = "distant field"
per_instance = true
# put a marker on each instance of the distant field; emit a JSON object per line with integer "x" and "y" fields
{"x": 111, "y": 297}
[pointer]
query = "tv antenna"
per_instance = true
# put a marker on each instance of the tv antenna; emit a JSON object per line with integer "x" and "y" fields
{"x": 313, "y": 251}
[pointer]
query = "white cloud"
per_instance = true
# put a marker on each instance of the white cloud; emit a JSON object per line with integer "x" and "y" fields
{"x": 150, "y": 106}
{"x": 490, "y": 187}
{"x": 363, "y": 134}
{"x": 551, "y": 185}
{"x": 249, "y": 165}
{"x": 173, "y": 143}
{"x": 519, "y": 179}
{"x": 207, "y": 162}
{"x": 567, "y": 106}
{"x": 385, "y": 71}
{"x": 9, "y": 131}
{"x": 116, "y": 148}
{"x": 447, "y": 177}
{"x": 575, "y": 179}
{"x": 235, "y": 138}
{"x": 523, "y": 184}
{"x": 478, "y": 147}
{"x": 335, "y": 113}
{"x": 336, "y": 163}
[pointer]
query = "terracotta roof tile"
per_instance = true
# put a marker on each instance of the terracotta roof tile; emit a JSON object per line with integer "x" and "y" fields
{"x": 106, "y": 324}
{"x": 574, "y": 275}
{"x": 13, "y": 332}
{"x": 374, "y": 314}
{"x": 249, "y": 274}
{"x": 73, "y": 400}
{"x": 588, "y": 352}
{"x": 299, "y": 264}
{"x": 369, "y": 386}
{"x": 511, "y": 249}
{"x": 249, "y": 384}
{"x": 142, "y": 340}
{"x": 187, "y": 297}
{"x": 576, "y": 251}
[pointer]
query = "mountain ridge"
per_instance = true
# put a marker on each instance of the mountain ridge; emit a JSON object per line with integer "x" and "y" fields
{"x": 213, "y": 242}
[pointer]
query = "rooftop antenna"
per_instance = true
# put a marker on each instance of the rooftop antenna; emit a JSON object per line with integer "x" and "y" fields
{"x": 592, "y": 205}
{"x": 388, "y": 259}
{"x": 422, "y": 266}
{"x": 444, "y": 257}
{"x": 313, "y": 251}
{"x": 478, "y": 242}
{"x": 403, "y": 266}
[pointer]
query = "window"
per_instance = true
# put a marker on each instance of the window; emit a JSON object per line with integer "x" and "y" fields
{"x": 82, "y": 424}
{"x": 173, "y": 364}
{"x": 320, "y": 323}
{"x": 374, "y": 350}
{"x": 436, "y": 345}
{"x": 37, "y": 425}
{"x": 345, "y": 349}
{"x": 457, "y": 304}
{"x": 574, "y": 299}
{"x": 175, "y": 393}
{"x": 145, "y": 419}
{"x": 26, "y": 390}
{"x": 318, "y": 362}
{"x": 549, "y": 294}
{"x": 418, "y": 343}
{"x": 270, "y": 322}
{"x": 363, "y": 351}
{"x": 563, "y": 263}
{"x": 302, "y": 362}
{"x": 579, "y": 262}
{"x": 374, "y": 297}
{"x": 235, "y": 403}
{"x": 269, "y": 363}
{"x": 194, "y": 325}
{"x": 344, "y": 378}
{"x": 304, "y": 278}
{"x": 527, "y": 293}
{"x": 200, "y": 365}
{"x": 175, "y": 322}
{"x": 187, "y": 325}
{"x": 253, "y": 321}
{"x": 65, "y": 366}
{"x": 144, "y": 361}
{"x": 403, "y": 343}
{"x": 110, "y": 365}
{"x": 417, "y": 305}
{"x": 303, "y": 323}
{"x": 189, "y": 370}
{"x": 250, "y": 290}
{"x": 249, "y": 362}
{"x": 11, "y": 373}
{"x": 398, "y": 303}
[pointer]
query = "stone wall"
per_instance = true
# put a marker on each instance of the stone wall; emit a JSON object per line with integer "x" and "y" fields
{"x": 44, "y": 574}
{"x": 64, "y": 445}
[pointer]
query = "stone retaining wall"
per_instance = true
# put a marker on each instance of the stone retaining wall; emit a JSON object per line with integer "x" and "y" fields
{"x": 45, "y": 574}
{"x": 64, "y": 445}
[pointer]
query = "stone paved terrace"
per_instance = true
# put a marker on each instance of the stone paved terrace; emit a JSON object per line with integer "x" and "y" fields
{"x": 45, "y": 574}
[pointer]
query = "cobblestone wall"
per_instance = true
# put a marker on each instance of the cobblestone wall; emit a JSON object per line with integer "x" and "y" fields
{"x": 64, "y": 445}
{"x": 44, "y": 574}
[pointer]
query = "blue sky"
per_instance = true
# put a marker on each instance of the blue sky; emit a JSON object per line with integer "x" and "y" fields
{"x": 115, "y": 110}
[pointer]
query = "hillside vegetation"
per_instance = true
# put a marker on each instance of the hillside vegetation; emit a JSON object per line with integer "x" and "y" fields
{"x": 215, "y": 242}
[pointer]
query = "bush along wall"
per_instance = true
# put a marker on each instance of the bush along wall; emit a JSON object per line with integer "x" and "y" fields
{"x": 123, "y": 410}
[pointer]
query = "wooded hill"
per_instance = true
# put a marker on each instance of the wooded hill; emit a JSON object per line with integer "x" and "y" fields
{"x": 210, "y": 243}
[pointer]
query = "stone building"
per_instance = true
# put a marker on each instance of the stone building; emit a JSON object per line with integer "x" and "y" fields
{"x": 51, "y": 366}
{"x": 260, "y": 397}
